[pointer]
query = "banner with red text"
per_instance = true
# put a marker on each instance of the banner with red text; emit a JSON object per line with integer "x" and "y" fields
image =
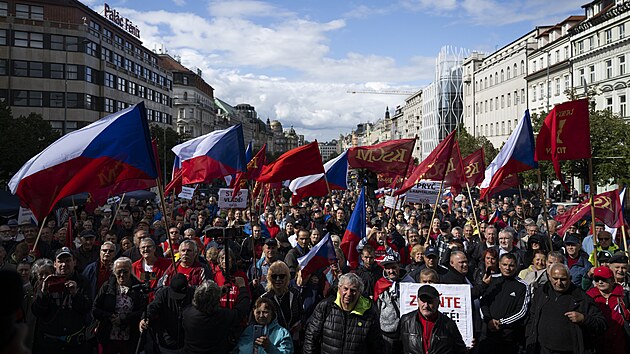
{"x": 387, "y": 157}
{"x": 455, "y": 302}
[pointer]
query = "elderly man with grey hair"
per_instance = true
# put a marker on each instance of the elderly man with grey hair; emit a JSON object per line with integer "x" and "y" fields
{"x": 348, "y": 323}
{"x": 506, "y": 245}
{"x": 209, "y": 328}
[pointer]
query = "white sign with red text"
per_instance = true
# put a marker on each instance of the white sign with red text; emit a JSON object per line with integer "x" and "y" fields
{"x": 455, "y": 302}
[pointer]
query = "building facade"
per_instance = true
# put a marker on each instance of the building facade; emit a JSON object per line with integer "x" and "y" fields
{"x": 410, "y": 124}
{"x": 442, "y": 100}
{"x": 73, "y": 66}
{"x": 601, "y": 49}
{"x": 328, "y": 149}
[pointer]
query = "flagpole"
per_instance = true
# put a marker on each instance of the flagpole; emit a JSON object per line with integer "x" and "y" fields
{"x": 111, "y": 224}
{"x": 404, "y": 177}
{"x": 74, "y": 210}
{"x": 473, "y": 206}
{"x": 437, "y": 200}
{"x": 251, "y": 226}
{"x": 545, "y": 211}
{"x": 165, "y": 220}
{"x": 592, "y": 203}
{"x": 39, "y": 234}
{"x": 625, "y": 240}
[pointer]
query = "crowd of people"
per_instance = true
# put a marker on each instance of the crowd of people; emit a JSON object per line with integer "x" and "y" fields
{"x": 213, "y": 280}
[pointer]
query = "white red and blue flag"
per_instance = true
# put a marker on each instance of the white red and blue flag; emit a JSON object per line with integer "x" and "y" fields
{"x": 336, "y": 171}
{"x": 318, "y": 257}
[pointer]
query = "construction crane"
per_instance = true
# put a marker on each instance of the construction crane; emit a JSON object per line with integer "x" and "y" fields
{"x": 384, "y": 92}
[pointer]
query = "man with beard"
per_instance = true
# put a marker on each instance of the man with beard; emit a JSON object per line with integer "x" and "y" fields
{"x": 387, "y": 296}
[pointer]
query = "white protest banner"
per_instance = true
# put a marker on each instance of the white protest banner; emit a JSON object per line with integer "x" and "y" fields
{"x": 425, "y": 192}
{"x": 390, "y": 201}
{"x": 239, "y": 201}
{"x": 25, "y": 216}
{"x": 455, "y": 302}
{"x": 187, "y": 193}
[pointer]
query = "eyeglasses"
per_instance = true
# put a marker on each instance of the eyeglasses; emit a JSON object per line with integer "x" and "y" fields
{"x": 278, "y": 276}
{"x": 106, "y": 250}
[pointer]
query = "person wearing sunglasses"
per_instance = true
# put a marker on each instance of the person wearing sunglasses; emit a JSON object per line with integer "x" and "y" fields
{"x": 604, "y": 243}
{"x": 609, "y": 297}
{"x": 118, "y": 310}
{"x": 98, "y": 273}
{"x": 286, "y": 299}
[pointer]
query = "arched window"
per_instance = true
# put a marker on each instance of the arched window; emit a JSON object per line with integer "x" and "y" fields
{"x": 522, "y": 67}
{"x": 185, "y": 95}
{"x": 515, "y": 70}
{"x": 491, "y": 81}
{"x": 502, "y": 76}
{"x": 508, "y": 72}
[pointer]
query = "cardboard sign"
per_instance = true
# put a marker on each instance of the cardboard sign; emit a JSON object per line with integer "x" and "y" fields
{"x": 187, "y": 193}
{"x": 455, "y": 302}
{"x": 425, "y": 192}
{"x": 226, "y": 201}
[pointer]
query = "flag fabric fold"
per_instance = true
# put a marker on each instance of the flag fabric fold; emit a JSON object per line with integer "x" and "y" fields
{"x": 474, "y": 167}
{"x": 433, "y": 167}
{"x": 315, "y": 185}
{"x": 254, "y": 166}
{"x": 517, "y": 155}
{"x": 111, "y": 150}
{"x": 454, "y": 174}
{"x": 355, "y": 232}
{"x": 565, "y": 135}
{"x": 387, "y": 157}
{"x": 302, "y": 161}
{"x": 320, "y": 256}
{"x": 607, "y": 209}
{"x": 214, "y": 155}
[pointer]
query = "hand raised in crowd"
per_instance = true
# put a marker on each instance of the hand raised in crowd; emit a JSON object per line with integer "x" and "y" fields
{"x": 71, "y": 285}
{"x": 263, "y": 341}
{"x": 144, "y": 324}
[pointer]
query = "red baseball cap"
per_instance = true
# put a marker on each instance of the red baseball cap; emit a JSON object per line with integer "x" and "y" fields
{"x": 603, "y": 272}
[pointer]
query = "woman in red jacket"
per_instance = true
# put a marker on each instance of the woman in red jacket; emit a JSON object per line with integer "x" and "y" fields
{"x": 608, "y": 296}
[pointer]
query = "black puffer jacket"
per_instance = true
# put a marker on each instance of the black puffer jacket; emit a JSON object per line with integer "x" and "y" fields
{"x": 105, "y": 306}
{"x": 332, "y": 330}
{"x": 445, "y": 337}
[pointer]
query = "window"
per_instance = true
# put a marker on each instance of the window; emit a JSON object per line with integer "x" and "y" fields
{"x": 3, "y": 66}
{"x": 107, "y": 33}
{"x": 120, "y": 105}
{"x": 515, "y": 70}
{"x": 28, "y": 39}
{"x": 622, "y": 31}
{"x": 72, "y": 71}
{"x": 20, "y": 98}
{"x": 110, "y": 81}
{"x": 502, "y": 128}
{"x": 591, "y": 70}
{"x": 56, "y": 42}
{"x": 35, "y": 99}
{"x": 137, "y": 69}
{"x": 515, "y": 98}
{"x": 90, "y": 49}
{"x": 580, "y": 48}
{"x": 557, "y": 54}
{"x": 502, "y": 76}
{"x": 26, "y": 11}
{"x": 141, "y": 91}
{"x": 591, "y": 43}
{"x": 72, "y": 100}
{"x": 557, "y": 80}
{"x": 609, "y": 102}
{"x": 508, "y": 73}
{"x": 566, "y": 52}
{"x": 118, "y": 60}
{"x": 3, "y": 37}
{"x": 509, "y": 127}
{"x": 491, "y": 129}
{"x": 567, "y": 82}
{"x": 608, "y": 35}
{"x": 523, "y": 95}
{"x": 622, "y": 105}
{"x": 542, "y": 91}
{"x": 509, "y": 99}
{"x": 109, "y": 105}
{"x": 491, "y": 81}
{"x": 89, "y": 102}
{"x": 36, "y": 69}
{"x": 4, "y": 7}
{"x": 131, "y": 87}
{"x": 122, "y": 84}
{"x": 491, "y": 105}
{"x": 106, "y": 54}
{"x": 533, "y": 93}
{"x": 118, "y": 40}
{"x": 89, "y": 77}
{"x": 128, "y": 65}
{"x": 150, "y": 94}
{"x": 56, "y": 99}
{"x": 502, "y": 101}
{"x": 622, "y": 65}
{"x": 609, "y": 68}
{"x": 20, "y": 68}
{"x": 72, "y": 44}
{"x": 95, "y": 26}
{"x": 523, "y": 67}
{"x": 581, "y": 76}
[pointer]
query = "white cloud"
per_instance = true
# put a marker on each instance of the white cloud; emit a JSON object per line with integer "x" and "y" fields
{"x": 245, "y": 8}
{"x": 179, "y": 2}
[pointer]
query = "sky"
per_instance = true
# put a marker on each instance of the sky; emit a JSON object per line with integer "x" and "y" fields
{"x": 295, "y": 60}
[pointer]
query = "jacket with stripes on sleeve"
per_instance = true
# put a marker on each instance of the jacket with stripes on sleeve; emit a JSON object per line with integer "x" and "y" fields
{"x": 506, "y": 299}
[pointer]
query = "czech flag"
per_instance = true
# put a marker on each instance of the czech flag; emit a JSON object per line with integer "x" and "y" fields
{"x": 318, "y": 257}
{"x": 315, "y": 185}
{"x": 516, "y": 156}
{"x": 214, "y": 155}
{"x": 355, "y": 232}
{"x": 103, "y": 154}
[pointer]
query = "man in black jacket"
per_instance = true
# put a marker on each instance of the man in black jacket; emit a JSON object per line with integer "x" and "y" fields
{"x": 346, "y": 324}
{"x": 503, "y": 307}
{"x": 165, "y": 314}
{"x": 441, "y": 334}
{"x": 369, "y": 271}
{"x": 562, "y": 318}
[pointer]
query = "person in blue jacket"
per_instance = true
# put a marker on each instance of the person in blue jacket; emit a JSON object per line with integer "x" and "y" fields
{"x": 275, "y": 339}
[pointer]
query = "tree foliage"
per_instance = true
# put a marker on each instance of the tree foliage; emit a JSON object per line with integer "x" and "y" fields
{"x": 469, "y": 144}
{"x": 165, "y": 154}
{"x": 21, "y": 138}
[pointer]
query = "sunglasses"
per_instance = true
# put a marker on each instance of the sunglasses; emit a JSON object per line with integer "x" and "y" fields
{"x": 278, "y": 276}
{"x": 597, "y": 280}
{"x": 604, "y": 239}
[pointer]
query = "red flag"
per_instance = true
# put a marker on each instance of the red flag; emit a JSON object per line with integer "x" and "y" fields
{"x": 565, "y": 135}
{"x": 455, "y": 176}
{"x": 302, "y": 161}
{"x": 175, "y": 184}
{"x": 254, "y": 167}
{"x": 433, "y": 167}
{"x": 607, "y": 209}
{"x": 474, "y": 167}
{"x": 387, "y": 157}
{"x": 157, "y": 158}
{"x": 387, "y": 178}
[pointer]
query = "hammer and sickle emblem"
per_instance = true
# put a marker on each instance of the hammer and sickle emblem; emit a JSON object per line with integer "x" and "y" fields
{"x": 603, "y": 202}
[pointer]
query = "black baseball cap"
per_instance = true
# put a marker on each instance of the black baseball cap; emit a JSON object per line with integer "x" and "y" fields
{"x": 431, "y": 251}
{"x": 427, "y": 291}
{"x": 87, "y": 233}
{"x": 572, "y": 239}
{"x": 618, "y": 257}
{"x": 178, "y": 287}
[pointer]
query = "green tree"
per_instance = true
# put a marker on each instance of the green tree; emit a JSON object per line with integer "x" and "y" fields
{"x": 469, "y": 144}
{"x": 171, "y": 138}
{"x": 20, "y": 139}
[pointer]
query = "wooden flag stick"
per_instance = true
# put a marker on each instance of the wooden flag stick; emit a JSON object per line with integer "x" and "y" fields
{"x": 165, "y": 221}
{"x": 592, "y": 203}
{"x": 473, "y": 208}
{"x": 116, "y": 212}
{"x": 437, "y": 200}
{"x": 39, "y": 234}
{"x": 625, "y": 240}
{"x": 545, "y": 211}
